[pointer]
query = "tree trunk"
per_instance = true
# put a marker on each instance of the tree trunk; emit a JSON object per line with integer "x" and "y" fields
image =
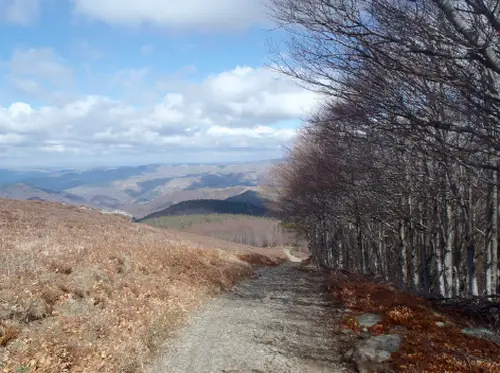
{"x": 489, "y": 272}
{"x": 403, "y": 261}
{"x": 471, "y": 248}
{"x": 448, "y": 251}
{"x": 494, "y": 235}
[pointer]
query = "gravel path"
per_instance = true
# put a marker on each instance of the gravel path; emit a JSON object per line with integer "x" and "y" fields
{"x": 273, "y": 323}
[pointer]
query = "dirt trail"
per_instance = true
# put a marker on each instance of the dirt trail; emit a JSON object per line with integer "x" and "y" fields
{"x": 273, "y": 323}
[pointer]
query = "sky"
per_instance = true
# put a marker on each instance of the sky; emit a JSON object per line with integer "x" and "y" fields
{"x": 121, "y": 82}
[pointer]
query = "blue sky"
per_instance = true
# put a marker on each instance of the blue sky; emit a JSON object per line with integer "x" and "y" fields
{"x": 115, "y": 82}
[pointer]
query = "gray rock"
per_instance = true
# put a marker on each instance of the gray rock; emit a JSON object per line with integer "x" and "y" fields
{"x": 368, "y": 319}
{"x": 440, "y": 324}
{"x": 370, "y": 354}
{"x": 482, "y": 333}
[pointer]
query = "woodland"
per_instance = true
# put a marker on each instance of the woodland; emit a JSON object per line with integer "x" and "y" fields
{"x": 396, "y": 175}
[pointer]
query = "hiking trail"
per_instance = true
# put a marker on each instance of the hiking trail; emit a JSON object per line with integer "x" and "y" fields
{"x": 278, "y": 321}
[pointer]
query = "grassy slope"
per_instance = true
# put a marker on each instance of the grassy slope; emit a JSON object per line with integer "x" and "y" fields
{"x": 188, "y": 221}
{"x": 256, "y": 231}
{"x": 85, "y": 291}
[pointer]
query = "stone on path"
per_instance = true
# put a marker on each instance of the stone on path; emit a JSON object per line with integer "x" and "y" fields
{"x": 370, "y": 354}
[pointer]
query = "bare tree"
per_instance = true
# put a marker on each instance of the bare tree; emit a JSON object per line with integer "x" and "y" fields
{"x": 397, "y": 174}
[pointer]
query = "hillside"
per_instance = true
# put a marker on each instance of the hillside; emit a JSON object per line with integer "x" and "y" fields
{"x": 22, "y": 191}
{"x": 84, "y": 291}
{"x": 253, "y": 197}
{"x": 209, "y": 206}
{"x": 138, "y": 190}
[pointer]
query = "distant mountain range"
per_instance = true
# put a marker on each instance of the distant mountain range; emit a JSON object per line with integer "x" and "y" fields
{"x": 138, "y": 190}
{"x": 26, "y": 192}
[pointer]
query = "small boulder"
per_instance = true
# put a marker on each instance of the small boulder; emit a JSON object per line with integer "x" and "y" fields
{"x": 370, "y": 354}
{"x": 368, "y": 320}
{"x": 440, "y": 324}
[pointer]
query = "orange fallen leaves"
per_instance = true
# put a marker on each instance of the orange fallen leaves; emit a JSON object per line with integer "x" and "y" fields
{"x": 427, "y": 347}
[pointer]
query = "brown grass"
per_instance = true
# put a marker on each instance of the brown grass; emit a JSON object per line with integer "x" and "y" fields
{"x": 427, "y": 347}
{"x": 81, "y": 291}
{"x": 246, "y": 230}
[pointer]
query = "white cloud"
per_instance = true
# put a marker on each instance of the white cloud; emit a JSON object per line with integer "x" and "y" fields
{"x": 248, "y": 95}
{"x": 186, "y": 14}
{"x": 244, "y": 109}
{"x": 10, "y": 139}
{"x": 22, "y": 12}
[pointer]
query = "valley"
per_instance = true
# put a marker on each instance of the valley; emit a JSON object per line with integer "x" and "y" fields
{"x": 137, "y": 190}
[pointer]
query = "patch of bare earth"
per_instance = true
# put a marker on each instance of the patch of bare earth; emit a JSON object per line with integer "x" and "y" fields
{"x": 82, "y": 291}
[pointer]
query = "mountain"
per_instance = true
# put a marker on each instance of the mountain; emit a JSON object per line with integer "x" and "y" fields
{"x": 21, "y": 191}
{"x": 12, "y": 176}
{"x": 138, "y": 190}
{"x": 210, "y": 206}
{"x": 171, "y": 198}
{"x": 252, "y": 197}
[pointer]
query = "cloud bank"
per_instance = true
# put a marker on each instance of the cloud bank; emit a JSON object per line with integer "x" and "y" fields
{"x": 186, "y": 14}
{"x": 241, "y": 110}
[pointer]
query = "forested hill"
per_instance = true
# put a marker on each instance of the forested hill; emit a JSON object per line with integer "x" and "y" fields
{"x": 210, "y": 206}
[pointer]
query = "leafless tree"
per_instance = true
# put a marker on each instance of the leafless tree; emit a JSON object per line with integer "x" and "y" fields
{"x": 397, "y": 174}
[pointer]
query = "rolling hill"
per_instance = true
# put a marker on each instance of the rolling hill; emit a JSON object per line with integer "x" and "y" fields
{"x": 20, "y": 191}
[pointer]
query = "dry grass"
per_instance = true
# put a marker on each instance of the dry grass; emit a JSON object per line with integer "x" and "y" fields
{"x": 243, "y": 229}
{"x": 427, "y": 347}
{"x": 81, "y": 291}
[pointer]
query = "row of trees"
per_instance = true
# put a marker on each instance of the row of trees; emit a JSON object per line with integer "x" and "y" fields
{"x": 397, "y": 174}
